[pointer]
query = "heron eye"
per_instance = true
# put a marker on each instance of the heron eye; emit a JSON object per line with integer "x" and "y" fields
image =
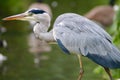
{"x": 30, "y": 14}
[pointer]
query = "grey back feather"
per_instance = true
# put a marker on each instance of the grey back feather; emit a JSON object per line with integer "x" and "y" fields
{"x": 74, "y": 30}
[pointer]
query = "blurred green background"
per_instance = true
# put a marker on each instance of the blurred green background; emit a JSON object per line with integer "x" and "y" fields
{"x": 58, "y": 66}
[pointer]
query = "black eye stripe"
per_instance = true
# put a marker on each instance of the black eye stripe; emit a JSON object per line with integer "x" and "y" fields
{"x": 37, "y": 11}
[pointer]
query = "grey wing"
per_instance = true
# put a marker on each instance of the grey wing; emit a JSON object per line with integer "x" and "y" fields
{"x": 102, "y": 52}
{"x": 80, "y": 24}
{"x": 82, "y": 37}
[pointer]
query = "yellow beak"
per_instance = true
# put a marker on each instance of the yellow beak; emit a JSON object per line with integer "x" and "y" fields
{"x": 16, "y": 17}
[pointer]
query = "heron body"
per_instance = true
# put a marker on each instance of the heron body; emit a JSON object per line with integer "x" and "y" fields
{"x": 76, "y": 34}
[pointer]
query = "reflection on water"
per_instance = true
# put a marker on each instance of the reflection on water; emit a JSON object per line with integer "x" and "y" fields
{"x": 37, "y": 48}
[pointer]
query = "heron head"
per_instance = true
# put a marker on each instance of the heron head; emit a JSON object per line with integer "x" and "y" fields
{"x": 30, "y": 15}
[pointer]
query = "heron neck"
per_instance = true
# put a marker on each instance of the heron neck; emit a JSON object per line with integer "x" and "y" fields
{"x": 41, "y": 27}
{"x": 40, "y": 31}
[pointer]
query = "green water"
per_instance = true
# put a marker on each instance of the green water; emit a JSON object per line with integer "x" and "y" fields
{"x": 57, "y": 66}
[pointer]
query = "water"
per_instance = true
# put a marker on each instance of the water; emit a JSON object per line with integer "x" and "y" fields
{"x": 56, "y": 65}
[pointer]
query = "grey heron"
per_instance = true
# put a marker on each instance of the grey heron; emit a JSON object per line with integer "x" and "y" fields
{"x": 75, "y": 34}
{"x": 103, "y": 14}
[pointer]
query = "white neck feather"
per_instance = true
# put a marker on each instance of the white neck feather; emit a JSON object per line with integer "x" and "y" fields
{"x": 40, "y": 30}
{"x": 41, "y": 27}
{"x": 43, "y": 23}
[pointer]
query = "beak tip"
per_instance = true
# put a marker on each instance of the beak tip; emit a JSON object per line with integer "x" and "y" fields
{"x": 14, "y": 17}
{"x": 6, "y": 19}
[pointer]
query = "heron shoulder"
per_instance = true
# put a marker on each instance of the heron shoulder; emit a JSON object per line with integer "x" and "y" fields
{"x": 66, "y": 16}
